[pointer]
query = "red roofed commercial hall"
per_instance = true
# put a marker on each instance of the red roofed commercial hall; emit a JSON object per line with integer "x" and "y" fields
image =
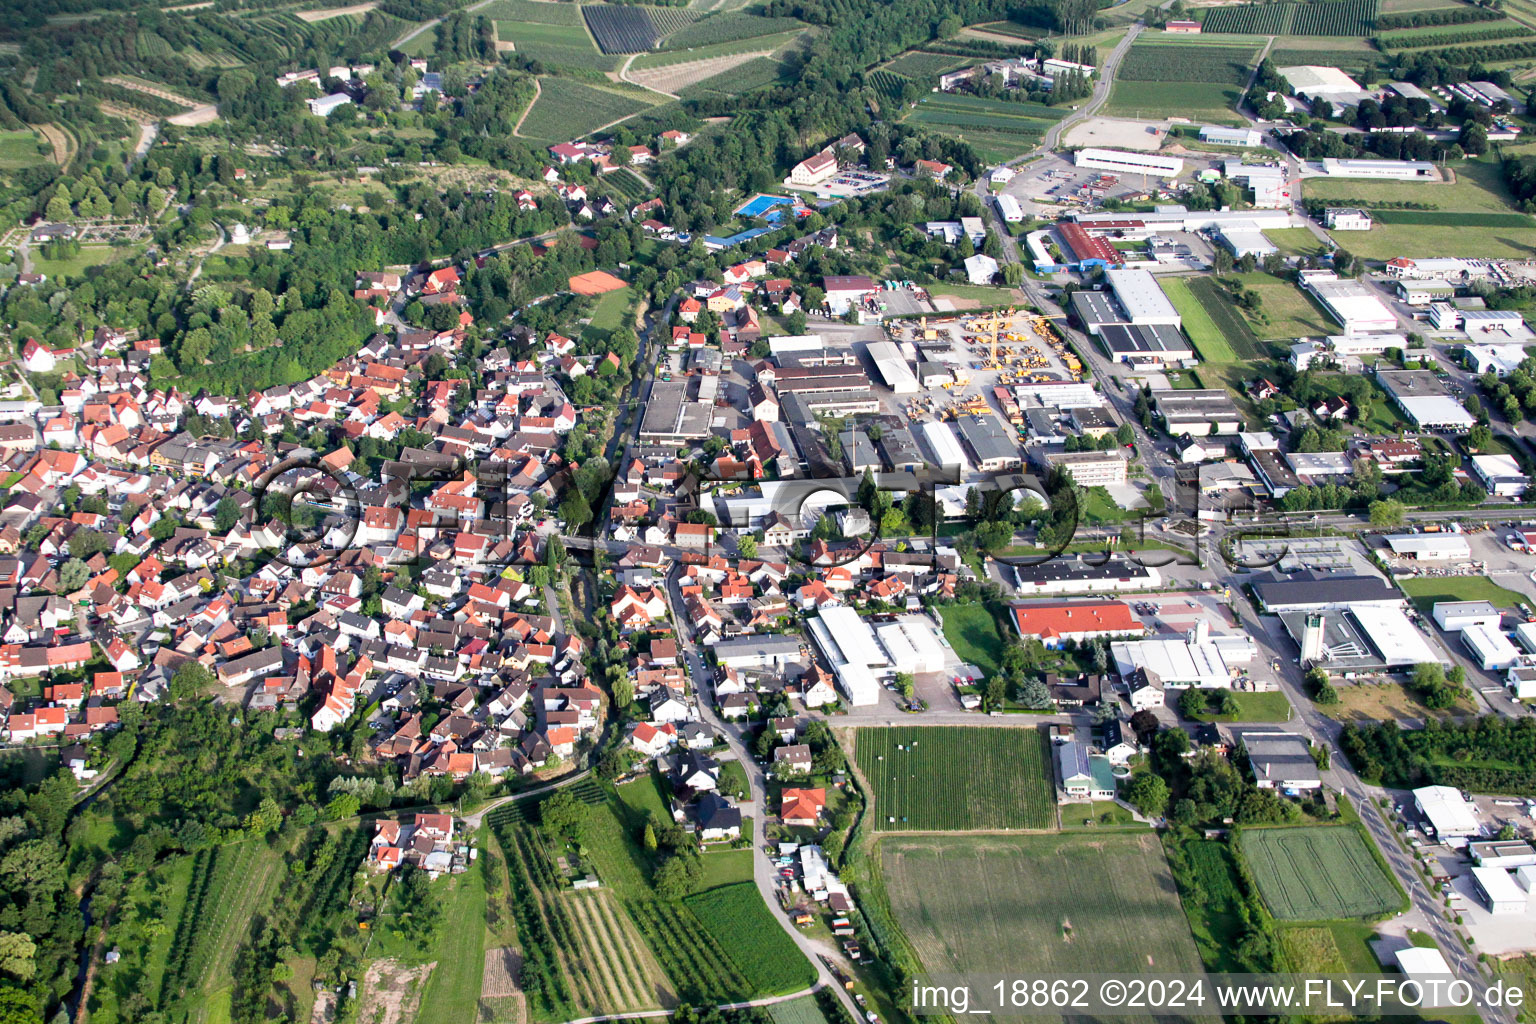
{"x": 1055, "y": 624}
{"x": 1088, "y": 249}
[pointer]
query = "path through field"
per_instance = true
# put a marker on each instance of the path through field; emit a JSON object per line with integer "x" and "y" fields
{"x": 62, "y": 142}
{"x": 152, "y": 90}
{"x": 336, "y": 12}
{"x": 669, "y": 79}
{"x": 429, "y": 25}
{"x": 517, "y": 129}
{"x": 205, "y": 114}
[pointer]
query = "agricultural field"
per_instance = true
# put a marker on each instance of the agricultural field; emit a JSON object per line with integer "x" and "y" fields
{"x": 568, "y": 109}
{"x": 620, "y": 29}
{"x": 1318, "y": 872}
{"x": 1336, "y": 18}
{"x": 1477, "y": 191}
{"x": 555, "y": 44}
{"x": 920, "y": 66}
{"x": 996, "y": 129}
{"x": 538, "y": 12}
{"x": 1452, "y": 35}
{"x": 797, "y": 1011}
{"x": 760, "y": 45}
{"x": 957, "y": 778}
{"x": 1233, "y": 326}
{"x": 1211, "y": 345}
{"x": 1207, "y": 879}
{"x": 1194, "y": 62}
{"x": 1336, "y": 56}
{"x": 1075, "y": 903}
{"x": 727, "y": 27}
{"x": 24, "y": 148}
{"x": 736, "y": 917}
{"x": 972, "y": 631}
{"x": 1199, "y": 81}
{"x": 1286, "y": 312}
{"x": 452, "y": 991}
{"x": 728, "y": 76}
{"x": 1295, "y": 241}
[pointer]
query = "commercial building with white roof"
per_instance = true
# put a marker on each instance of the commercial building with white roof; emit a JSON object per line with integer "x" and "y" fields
{"x": 1448, "y": 814}
{"x": 1500, "y": 474}
{"x": 1390, "y": 170}
{"x": 1454, "y": 616}
{"x": 1500, "y": 891}
{"x": 850, "y": 647}
{"x": 1489, "y": 647}
{"x": 1142, "y": 298}
{"x": 944, "y": 446}
{"x": 893, "y": 367}
{"x": 1312, "y": 80}
{"x": 1349, "y": 302}
{"x": 1423, "y": 399}
{"x": 912, "y": 645}
{"x": 1129, "y": 163}
{"x": 1430, "y": 547}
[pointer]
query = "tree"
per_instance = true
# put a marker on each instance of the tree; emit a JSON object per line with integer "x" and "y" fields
{"x": 16, "y": 955}
{"x": 905, "y": 685}
{"x": 1148, "y": 793}
{"x": 191, "y": 682}
{"x": 1479, "y": 438}
{"x": 1221, "y": 260}
{"x": 1034, "y": 694}
{"x": 1143, "y": 723}
{"x": 1387, "y": 513}
{"x": 575, "y": 510}
{"x": 746, "y": 546}
{"x": 72, "y": 575}
{"x": 1124, "y": 434}
{"x": 226, "y": 515}
{"x": 564, "y": 817}
{"x": 1191, "y": 702}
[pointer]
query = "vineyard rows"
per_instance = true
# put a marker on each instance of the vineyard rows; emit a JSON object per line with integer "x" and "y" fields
{"x": 728, "y": 28}
{"x": 620, "y": 29}
{"x": 1224, "y": 65}
{"x": 1333, "y": 18}
{"x": 754, "y": 74}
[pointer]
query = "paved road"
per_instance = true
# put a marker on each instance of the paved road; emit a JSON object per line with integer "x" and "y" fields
{"x": 1101, "y": 88}
{"x": 1426, "y": 912}
{"x": 764, "y": 873}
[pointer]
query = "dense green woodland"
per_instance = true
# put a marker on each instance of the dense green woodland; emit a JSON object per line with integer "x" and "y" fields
{"x": 1492, "y": 754}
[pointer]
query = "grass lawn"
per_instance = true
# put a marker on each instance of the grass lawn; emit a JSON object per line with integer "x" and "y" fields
{"x": 1268, "y": 706}
{"x": 1477, "y": 189}
{"x": 1073, "y": 903}
{"x": 1389, "y": 702}
{"x": 1426, "y": 590}
{"x": 1286, "y": 311}
{"x": 1296, "y": 241}
{"x": 957, "y": 778}
{"x": 608, "y": 314}
{"x": 1210, "y": 343}
{"x": 972, "y": 631}
{"x": 1210, "y": 102}
{"x": 76, "y": 266}
{"x": 1098, "y": 814}
{"x": 1332, "y": 947}
{"x": 453, "y": 991}
{"x": 1319, "y": 872}
{"x": 733, "y": 779}
{"x": 725, "y": 867}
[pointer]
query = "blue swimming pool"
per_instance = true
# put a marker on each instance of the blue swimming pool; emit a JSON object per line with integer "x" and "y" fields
{"x": 761, "y": 203}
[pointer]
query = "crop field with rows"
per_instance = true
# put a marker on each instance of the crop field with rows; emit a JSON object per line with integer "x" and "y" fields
{"x": 620, "y": 29}
{"x": 1227, "y": 65}
{"x": 555, "y": 44}
{"x": 1333, "y": 18}
{"x": 769, "y": 960}
{"x": 536, "y": 11}
{"x": 568, "y": 109}
{"x": 957, "y": 778}
{"x": 727, "y": 28}
{"x": 754, "y": 74}
{"x": 1318, "y": 872}
{"x": 923, "y": 66}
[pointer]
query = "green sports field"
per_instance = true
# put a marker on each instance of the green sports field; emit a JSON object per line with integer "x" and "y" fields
{"x": 1318, "y": 872}
{"x": 957, "y": 778}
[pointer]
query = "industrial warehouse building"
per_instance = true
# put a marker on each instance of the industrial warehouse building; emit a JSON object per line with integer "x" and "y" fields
{"x": 1129, "y": 163}
{"x": 1196, "y": 411}
{"x": 1059, "y": 622}
{"x": 856, "y": 657}
{"x": 1425, "y": 401}
{"x": 1149, "y": 346}
{"x": 1280, "y": 760}
{"x": 1447, "y": 813}
{"x": 1142, "y": 298}
{"x": 1430, "y": 547}
{"x": 1072, "y": 574}
{"x": 1455, "y": 616}
{"x": 1350, "y": 303}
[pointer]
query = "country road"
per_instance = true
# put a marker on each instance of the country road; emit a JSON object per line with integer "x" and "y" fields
{"x": 1101, "y": 88}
